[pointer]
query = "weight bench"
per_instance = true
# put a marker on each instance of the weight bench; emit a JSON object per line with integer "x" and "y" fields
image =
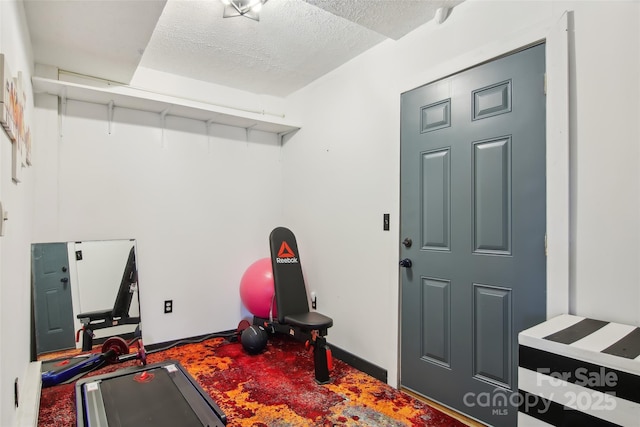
{"x": 293, "y": 315}
{"x": 119, "y": 314}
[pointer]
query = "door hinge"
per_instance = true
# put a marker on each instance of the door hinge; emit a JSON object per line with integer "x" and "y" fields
{"x": 545, "y": 84}
{"x": 546, "y": 252}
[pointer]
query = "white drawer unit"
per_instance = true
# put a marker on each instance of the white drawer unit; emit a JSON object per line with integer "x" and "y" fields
{"x": 575, "y": 371}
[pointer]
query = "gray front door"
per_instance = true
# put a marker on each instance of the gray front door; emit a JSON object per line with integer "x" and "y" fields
{"x": 473, "y": 205}
{"x": 52, "y": 297}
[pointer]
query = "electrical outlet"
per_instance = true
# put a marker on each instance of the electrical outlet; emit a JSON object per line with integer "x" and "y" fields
{"x": 168, "y": 306}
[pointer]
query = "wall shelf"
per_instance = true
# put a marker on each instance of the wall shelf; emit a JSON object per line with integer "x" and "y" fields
{"x": 126, "y": 97}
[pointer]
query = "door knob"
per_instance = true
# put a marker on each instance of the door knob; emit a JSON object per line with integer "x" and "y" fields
{"x": 406, "y": 263}
{"x": 64, "y": 279}
{"x": 407, "y": 242}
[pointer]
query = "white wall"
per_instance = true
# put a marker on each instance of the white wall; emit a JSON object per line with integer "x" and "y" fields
{"x": 200, "y": 207}
{"x": 345, "y": 162}
{"x": 606, "y": 217}
{"x": 17, "y": 199}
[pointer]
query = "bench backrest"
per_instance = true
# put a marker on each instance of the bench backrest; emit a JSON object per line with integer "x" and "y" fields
{"x": 290, "y": 290}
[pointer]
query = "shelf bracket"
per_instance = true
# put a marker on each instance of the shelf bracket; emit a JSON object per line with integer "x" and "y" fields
{"x": 248, "y": 130}
{"x": 63, "y": 112}
{"x": 283, "y": 135}
{"x": 110, "y": 115}
{"x": 163, "y": 118}
{"x": 209, "y": 123}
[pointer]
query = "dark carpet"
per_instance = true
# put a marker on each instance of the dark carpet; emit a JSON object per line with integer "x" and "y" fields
{"x": 273, "y": 389}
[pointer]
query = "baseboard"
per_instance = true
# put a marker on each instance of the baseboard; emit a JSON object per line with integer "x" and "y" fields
{"x": 340, "y": 354}
{"x": 29, "y": 396}
{"x": 360, "y": 364}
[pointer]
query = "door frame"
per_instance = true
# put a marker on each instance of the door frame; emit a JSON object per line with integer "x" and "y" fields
{"x": 558, "y": 38}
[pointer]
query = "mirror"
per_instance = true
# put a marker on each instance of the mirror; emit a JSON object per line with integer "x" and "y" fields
{"x": 83, "y": 292}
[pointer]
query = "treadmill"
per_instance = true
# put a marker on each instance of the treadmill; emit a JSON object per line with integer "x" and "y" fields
{"x": 159, "y": 395}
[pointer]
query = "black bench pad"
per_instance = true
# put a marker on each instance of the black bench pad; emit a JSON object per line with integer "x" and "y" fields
{"x": 309, "y": 320}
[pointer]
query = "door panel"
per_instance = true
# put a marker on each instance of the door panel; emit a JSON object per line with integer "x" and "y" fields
{"x": 492, "y": 196}
{"x": 437, "y": 331}
{"x": 435, "y": 210}
{"x": 473, "y": 196}
{"x": 492, "y": 334}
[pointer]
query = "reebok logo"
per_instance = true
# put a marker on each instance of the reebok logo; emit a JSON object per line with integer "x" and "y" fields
{"x": 285, "y": 251}
{"x": 286, "y": 255}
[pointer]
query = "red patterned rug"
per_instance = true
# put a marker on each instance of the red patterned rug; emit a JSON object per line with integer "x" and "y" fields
{"x": 273, "y": 389}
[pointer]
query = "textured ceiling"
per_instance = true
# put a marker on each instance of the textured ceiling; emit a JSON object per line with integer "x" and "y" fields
{"x": 294, "y": 43}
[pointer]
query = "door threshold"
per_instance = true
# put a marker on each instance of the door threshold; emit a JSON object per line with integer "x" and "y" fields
{"x": 450, "y": 412}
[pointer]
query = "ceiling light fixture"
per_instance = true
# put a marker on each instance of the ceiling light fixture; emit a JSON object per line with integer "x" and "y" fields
{"x": 248, "y": 8}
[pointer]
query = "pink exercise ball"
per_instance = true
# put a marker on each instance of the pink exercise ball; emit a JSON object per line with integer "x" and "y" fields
{"x": 256, "y": 288}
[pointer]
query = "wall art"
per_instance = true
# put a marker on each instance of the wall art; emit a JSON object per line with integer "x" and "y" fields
{"x": 8, "y": 99}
